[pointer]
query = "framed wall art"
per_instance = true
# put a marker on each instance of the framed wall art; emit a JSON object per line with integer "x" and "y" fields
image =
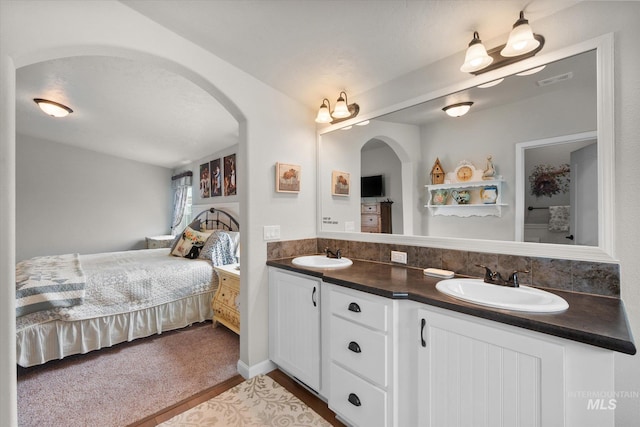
{"x": 215, "y": 170}
{"x": 230, "y": 175}
{"x": 205, "y": 184}
{"x": 287, "y": 178}
{"x": 340, "y": 183}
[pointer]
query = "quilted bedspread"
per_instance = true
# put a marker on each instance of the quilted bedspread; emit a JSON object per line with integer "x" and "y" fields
{"x": 120, "y": 282}
{"x": 48, "y": 282}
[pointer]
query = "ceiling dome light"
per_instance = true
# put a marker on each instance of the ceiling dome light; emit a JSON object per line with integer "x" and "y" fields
{"x": 52, "y": 108}
{"x": 459, "y": 109}
{"x": 477, "y": 57}
{"x": 521, "y": 39}
{"x": 492, "y": 83}
{"x": 531, "y": 71}
{"x": 323, "y": 113}
{"x": 341, "y": 111}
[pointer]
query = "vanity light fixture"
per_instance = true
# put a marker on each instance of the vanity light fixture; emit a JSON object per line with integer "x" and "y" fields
{"x": 477, "y": 57}
{"x": 342, "y": 111}
{"x": 53, "y": 108}
{"x": 522, "y": 44}
{"x": 459, "y": 109}
{"x": 521, "y": 39}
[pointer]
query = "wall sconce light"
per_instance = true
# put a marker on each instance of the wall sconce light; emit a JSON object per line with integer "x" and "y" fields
{"x": 459, "y": 109}
{"x": 522, "y": 44}
{"x": 342, "y": 111}
{"x": 52, "y": 108}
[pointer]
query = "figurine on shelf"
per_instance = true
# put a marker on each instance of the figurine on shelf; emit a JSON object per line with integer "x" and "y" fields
{"x": 490, "y": 171}
{"x": 437, "y": 173}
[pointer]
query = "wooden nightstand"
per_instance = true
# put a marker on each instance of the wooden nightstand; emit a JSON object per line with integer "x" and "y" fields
{"x": 225, "y": 303}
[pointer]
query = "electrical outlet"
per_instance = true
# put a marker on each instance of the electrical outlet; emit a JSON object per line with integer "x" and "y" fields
{"x": 399, "y": 257}
{"x": 271, "y": 232}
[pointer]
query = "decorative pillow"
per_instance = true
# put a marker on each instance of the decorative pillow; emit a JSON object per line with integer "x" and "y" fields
{"x": 218, "y": 249}
{"x": 195, "y": 225}
{"x": 190, "y": 237}
{"x": 235, "y": 241}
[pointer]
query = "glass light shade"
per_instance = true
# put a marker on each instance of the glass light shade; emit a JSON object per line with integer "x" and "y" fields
{"x": 521, "y": 39}
{"x": 53, "y": 108}
{"x": 531, "y": 71}
{"x": 476, "y": 58}
{"x": 457, "y": 110}
{"x": 341, "y": 110}
{"x": 323, "y": 114}
{"x": 491, "y": 83}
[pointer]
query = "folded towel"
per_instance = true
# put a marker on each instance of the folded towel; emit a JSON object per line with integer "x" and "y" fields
{"x": 559, "y": 218}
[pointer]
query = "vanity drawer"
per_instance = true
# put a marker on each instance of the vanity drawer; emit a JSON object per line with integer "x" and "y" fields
{"x": 360, "y": 403}
{"x": 373, "y": 208}
{"x": 360, "y": 349}
{"x": 358, "y": 307}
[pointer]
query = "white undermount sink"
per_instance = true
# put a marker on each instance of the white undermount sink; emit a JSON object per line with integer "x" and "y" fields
{"x": 523, "y": 298}
{"x": 321, "y": 261}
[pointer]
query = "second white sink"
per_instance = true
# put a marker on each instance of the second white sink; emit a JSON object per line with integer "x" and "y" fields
{"x": 321, "y": 261}
{"x": 523, "y": 298}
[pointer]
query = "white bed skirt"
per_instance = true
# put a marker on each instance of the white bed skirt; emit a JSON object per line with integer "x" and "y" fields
{"x": 57, "y": 339}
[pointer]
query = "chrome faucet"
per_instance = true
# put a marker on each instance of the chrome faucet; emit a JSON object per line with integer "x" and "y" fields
{"x": 337, "y": 254}
{"x": 495, "y": 278}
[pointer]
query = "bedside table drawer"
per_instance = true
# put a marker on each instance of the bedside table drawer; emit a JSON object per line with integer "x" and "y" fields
{"x": 228, "y": 295}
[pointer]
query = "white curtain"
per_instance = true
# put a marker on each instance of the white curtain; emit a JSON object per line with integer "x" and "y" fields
{"x": 181, "y": 184}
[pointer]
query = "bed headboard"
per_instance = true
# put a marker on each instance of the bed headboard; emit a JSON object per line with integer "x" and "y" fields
{"x": 217, "y": 219}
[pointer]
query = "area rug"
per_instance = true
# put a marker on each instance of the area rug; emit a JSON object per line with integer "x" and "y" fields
{"x": 259, "y": 401}
{"x": 117, "y": 386}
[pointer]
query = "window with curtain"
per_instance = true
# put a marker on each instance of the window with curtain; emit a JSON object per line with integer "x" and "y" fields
{"x": 181, "y": 185}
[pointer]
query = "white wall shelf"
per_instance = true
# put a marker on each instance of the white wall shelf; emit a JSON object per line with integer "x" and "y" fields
{"x": 475, "y": 207}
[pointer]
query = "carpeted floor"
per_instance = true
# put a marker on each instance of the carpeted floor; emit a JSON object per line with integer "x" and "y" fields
{"x": 259, "y": 402}
{"x": 119, "y": 385}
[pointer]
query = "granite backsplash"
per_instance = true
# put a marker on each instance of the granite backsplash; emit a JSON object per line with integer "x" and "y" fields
{"x": 577, "y": 276}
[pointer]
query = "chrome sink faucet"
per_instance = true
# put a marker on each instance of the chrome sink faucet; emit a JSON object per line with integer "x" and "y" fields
{"x": 495, "y": 278}
{"x": 337, "y": 254}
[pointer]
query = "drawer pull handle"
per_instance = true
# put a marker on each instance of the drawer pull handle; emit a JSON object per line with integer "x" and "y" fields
{"x": 313, "y": 297}
{"x": 423, "y": 324}
{"x": 353, "y": 346}
{"x": 354, "y": 400}
{"x": 354, "y": 307}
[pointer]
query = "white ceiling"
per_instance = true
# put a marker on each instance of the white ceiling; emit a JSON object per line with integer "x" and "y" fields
{"x": 308, "y": 50}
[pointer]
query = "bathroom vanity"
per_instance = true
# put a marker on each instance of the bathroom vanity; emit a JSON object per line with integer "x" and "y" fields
{"x": 390, "y": 350}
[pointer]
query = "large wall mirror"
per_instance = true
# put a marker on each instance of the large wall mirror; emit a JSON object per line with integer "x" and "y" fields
{"x": 518, "y": 126}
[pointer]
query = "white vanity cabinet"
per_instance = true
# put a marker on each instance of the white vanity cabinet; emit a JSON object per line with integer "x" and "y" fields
{"x": 294, "y": 325}
{"x": 471, "y": 371}
{"x": 361, "y": 352}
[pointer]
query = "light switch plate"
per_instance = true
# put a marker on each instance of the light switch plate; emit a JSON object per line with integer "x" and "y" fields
{"x": 399, "y": 257}
{"x": 271, "y": 232}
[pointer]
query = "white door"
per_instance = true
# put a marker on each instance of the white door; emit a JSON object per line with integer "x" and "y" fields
{"x": 584, "y": 195}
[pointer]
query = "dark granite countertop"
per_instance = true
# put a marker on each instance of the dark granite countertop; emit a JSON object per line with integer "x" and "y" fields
{"x": 591, "y": 319}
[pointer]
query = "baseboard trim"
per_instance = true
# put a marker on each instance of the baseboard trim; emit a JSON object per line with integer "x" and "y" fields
{"x": 263, "y": 367}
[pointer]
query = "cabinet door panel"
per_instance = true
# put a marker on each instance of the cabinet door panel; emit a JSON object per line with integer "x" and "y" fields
{"x": 471, "y": 374}
{"x": 294, "y": 325}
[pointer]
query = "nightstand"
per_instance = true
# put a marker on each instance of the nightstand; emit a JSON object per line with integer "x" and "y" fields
{"x": 226, "y": 302}
{"x": 156, "y": 242}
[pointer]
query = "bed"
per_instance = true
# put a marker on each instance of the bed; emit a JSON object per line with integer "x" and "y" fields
{"x": 73, "y": 304}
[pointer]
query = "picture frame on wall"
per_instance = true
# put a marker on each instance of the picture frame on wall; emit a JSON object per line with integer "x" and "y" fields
{"x": 215, "y": 170}
{"x": 288, "y": 178}
{"x": 340, "y": 183}
{"x": 230, "y": 175}
{"x": 205, "y": 183}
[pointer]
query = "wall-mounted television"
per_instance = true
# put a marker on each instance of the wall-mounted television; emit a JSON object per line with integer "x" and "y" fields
{"x": 372, "y": 186}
